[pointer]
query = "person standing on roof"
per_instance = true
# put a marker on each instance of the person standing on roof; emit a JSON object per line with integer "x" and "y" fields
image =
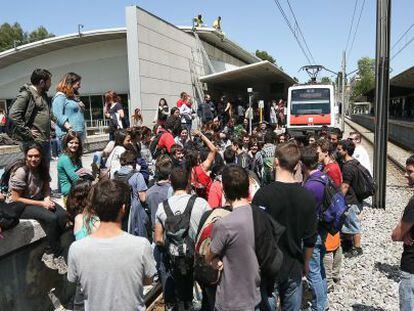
{"x": 198, "y": 21}
{"x": 217, "y": 24}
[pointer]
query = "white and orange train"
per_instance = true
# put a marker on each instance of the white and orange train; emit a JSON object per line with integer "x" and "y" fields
{"x": 310, "y": 107}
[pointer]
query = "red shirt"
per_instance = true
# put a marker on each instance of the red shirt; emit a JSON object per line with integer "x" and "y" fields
{"x": 333, "y": 171}
{"x": 215, "y": 196}
{"x": 166, "y": 140}
{"x": 200, "y": 177}
{"x": 180, "y": 102}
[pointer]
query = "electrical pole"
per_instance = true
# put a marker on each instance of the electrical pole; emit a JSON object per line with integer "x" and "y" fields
{"x": 382, "y": 93}
{"x": 343, "y": 106}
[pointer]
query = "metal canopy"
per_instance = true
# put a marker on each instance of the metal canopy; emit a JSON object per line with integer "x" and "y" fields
{"x": 260, "y": 73}
{"x": 37, "y": 48}
{"x": 404, "y": 79}
{"x": 220, "y": 41}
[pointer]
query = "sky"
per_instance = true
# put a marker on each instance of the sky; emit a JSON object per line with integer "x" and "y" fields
{"x": 252, "y": 24}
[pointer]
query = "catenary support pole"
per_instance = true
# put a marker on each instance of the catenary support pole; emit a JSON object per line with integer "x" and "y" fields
{"x": 343, "y": 106}
{"x": 382, "y": 88}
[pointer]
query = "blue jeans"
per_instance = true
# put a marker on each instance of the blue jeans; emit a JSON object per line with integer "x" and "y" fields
{"x": 290, "y": 293}
{"x": 317, "y": 277}
{"x": 406, "y": 291}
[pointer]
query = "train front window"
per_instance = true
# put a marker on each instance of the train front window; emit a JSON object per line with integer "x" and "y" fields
{"x": 310, "y": 101}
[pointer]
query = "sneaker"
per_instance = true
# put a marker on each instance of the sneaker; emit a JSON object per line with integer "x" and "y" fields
{"x": 48, "y": 260}
{"x": 61, "y": 265}
{"x": 354, "y": 252}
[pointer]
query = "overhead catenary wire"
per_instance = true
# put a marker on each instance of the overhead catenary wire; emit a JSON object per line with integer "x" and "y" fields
{"x": 351, "y": 26}
{"x": 292, "y": 30}
{"x": 300, "y": 31}
{"x": 402, "y": 36}
{"x": 403, "y": 48}
{"x": 356, "y": 28}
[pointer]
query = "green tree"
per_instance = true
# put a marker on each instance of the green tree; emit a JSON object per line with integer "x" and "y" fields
{"x": 14, "y": 34}
{"x": 9, "y": 34}
{"x": 39, "y": 34}
{"x": 265, "y": 56}
{"x": 326, "y": 80}
{"x": 366, "y": 81}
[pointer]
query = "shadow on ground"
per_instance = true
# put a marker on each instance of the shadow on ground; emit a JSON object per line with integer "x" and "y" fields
{"x": 361, "y": 307}
{"x": 392, "y": 272}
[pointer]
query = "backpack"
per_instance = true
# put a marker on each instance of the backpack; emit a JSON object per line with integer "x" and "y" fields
{"x": 204, "y": 273}
{"x": 331, "y": 213}
{"x": 179, "y": 247}
{"x": 268, "y": 170}
{"x": 136, "y": 220}
{"x": 124, "y": 178}
{"x": 126, "y": 222}
{"x": 10, "y": 214}
{"x": 8, "y": 171}
{"x": 363, "y": 185}
{"x": 153, "y": 146}
{"x": 267, "y": 233}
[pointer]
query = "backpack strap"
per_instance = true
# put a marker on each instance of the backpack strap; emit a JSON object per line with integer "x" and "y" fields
{"x": 190, "y": 205}
{"x": 167, "y": 209}
{"x": 130, "y": 174}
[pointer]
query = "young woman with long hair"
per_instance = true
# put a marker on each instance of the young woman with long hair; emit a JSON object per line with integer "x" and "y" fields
{"x": 122, "y": 140}
{"x": 29, "y": 184}
{"x": 80, "y": 210}
{"x": 137, "y": 119}
{"x": 113, "y": 110}
{"x": 69, "y": 162}
{"x": 67, "y": 108}
{"x": 163, "y": 112}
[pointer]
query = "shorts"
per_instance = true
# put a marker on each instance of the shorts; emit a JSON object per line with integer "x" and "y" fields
{"x": 352, "y": 224}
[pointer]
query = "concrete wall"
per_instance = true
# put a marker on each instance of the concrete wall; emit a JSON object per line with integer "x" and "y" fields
{"x": 400, "y": 132}
{"x": 164, "y": 55}
{"x": 102, "y": 65}
{"x": 218, "y": 56}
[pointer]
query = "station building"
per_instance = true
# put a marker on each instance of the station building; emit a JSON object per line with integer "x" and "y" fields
{"x": 148, "y": 59}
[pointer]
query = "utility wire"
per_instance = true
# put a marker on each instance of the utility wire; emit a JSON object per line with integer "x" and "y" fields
{"x": 403, "y": 48}
{"x": 291, "y": 29}
{"x": 402, "y": 36}
{"x": 356, "y": 29}
{"x": 300, "y": 31}
{"x": 351, "y": 26}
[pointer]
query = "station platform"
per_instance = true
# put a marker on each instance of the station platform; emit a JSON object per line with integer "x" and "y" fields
{"x": 395, "y": 153}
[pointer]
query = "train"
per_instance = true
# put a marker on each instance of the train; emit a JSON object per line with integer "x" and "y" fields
{"x": 311, "y": 106}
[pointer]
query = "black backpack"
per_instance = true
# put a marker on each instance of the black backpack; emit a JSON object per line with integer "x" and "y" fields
{"x": 179, "y": 247}
{"x": 8, "y": 171}
{"x": 10, "y": 214}
{"x": 153, "y": 146}
{"x": 267, "y": 233}
{"x": 363, "y": 184}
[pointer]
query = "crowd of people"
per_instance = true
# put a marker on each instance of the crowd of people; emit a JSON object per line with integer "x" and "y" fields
{"x": 182, "y": 206}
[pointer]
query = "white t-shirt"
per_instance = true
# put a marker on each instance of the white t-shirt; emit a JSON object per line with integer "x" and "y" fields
{"x": 113, "y": 160}
{"x": 362, "y": 156}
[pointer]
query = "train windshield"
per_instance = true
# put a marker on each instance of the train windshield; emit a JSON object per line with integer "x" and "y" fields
{"x": 310, "y": 101}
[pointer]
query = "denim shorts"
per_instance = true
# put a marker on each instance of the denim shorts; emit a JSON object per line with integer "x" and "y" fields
{"x": 352, "y": 224}
{"x": 406, "y": 291}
